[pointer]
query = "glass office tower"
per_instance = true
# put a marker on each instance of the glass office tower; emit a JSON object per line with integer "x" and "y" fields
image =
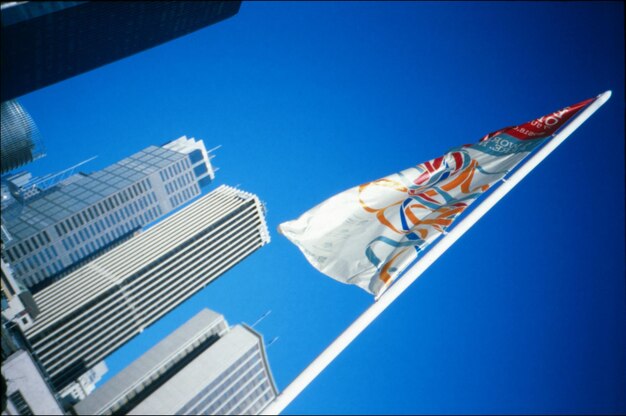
{"x": 20, "y": 142}
{"x": 45, "y": 42}
{"x": 48, "y": 233}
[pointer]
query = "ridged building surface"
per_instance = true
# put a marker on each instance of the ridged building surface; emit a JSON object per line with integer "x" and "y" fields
{"x": 203, "y": 367}
{"x": 97, "y": 308}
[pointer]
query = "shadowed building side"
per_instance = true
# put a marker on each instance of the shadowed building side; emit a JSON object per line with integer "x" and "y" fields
{"x": 47, "y": 42}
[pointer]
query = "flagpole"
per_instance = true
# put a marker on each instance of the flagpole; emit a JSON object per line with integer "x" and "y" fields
{"x": 395, "y": 290}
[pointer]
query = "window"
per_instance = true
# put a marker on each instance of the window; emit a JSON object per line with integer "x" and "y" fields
{"x": 200, "y": 170}
{"x": 195, "y": 156}
{"x": 204, "y": 181}
{"x": 20, "y": 404}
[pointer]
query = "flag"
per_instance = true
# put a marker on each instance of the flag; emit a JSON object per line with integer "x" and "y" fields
{"x": 369, "y": 234}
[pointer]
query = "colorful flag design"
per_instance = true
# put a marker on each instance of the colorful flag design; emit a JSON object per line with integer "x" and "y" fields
{"x": 369, "y": 234}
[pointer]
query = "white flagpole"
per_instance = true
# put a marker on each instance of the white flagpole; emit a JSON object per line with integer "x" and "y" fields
{"x": 371, "y": 313}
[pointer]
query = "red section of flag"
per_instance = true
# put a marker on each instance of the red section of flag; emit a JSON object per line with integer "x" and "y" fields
{"x": 544, "y": 126}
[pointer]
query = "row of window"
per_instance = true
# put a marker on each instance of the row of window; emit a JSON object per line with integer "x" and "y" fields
{"x": 86, "y": 236}
{"x": 35, "y": 261}
{"x": 181, "y": 198}
{"x": 20, "y": 404}
{"x": 173, "y": 170}
{"x": 178, "y": 183}
{"x": 216, "y": 388}
{"x": 28, "y": 246}
{"x": 102, "y": 207}
{"x": 255, "y": 399}
{"x": 230, "y": 398}
{"x": 40, "y": 273}
{"x": 91, "y": 244}
{"x": 147, "y": 381}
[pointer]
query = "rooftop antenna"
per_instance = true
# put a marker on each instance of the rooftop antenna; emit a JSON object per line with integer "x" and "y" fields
{"x": 269, "y": 344}
{"x": 210, "y": 152}
{"x": 47, "y": 181}
{"x": 261, "y": 318}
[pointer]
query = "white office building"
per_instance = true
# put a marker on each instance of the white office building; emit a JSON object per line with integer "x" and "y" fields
{"x": 204, "y": 367}
{"x": 97, "y": 308}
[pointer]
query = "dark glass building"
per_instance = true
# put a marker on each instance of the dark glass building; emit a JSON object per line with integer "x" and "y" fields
{"x": 20, "y": 142}
{"x": 47, "y": 42}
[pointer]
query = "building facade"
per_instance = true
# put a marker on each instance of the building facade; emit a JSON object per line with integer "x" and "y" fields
{"x": 84, "y": 386}
{"x": 27, "y": 392}
{"x": 204, "y": 367}
{"x": 18, "y": 305}
{"x": 46, "y": 42}
{"x": 20, "y": 141}
{"x": 48, "y": 232}
{"x": 103, "y": 304}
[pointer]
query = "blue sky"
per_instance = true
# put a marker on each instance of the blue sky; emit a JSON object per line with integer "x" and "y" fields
{"x": 526, "y": 313}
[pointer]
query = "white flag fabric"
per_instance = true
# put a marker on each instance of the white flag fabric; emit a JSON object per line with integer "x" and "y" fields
{"x": 369, "y": 234}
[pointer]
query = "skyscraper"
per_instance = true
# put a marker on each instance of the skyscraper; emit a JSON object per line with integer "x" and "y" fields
{"x": 47, "y": 232}
{"x": 27, "y": 391}
{"x": 20, "y": 142}
{"x": 46, "y": 42}
{"x": 97, "y": 308}
{"x": 204, "y": 367}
